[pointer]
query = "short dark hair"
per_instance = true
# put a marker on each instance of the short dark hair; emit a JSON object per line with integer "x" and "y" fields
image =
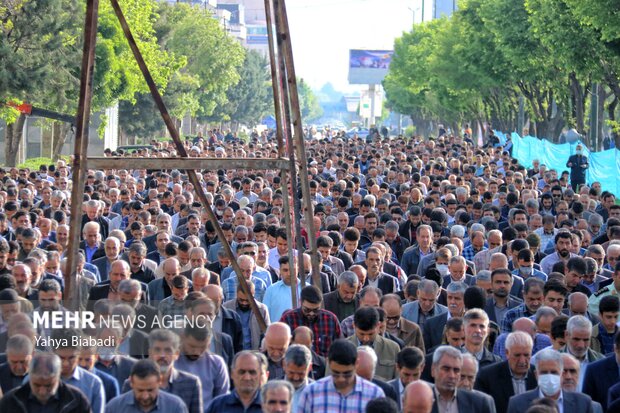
{"x": 609, "y": 304}
{"x": 558, "y": 326}
{"x": 343, "y": 352}
{"x": 311, "y": 294}
{"x": 577, "y": 264}
{"x": 145, "y": 368}
{"x": 381, "y": 405}
{"x": 475, "y": 297}
{"x": 410, "y": 357}
{"x": 366, "y": 318}
{"x": 557, "y": 286}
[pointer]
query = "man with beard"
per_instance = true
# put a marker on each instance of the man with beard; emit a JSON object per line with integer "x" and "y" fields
{"x": 277, "y": 339}
{"x": 249, "y": 323}
{"x": 324, "y": 325}
{"x": 44, "y": 390}
{"x": 562, "y": 252}
{"x": 146, "y": 395}
{"x": 352, "y": 391}
{"x": 498, "y": 305}
{"x": 23, "y": 282}
{"x": 164, "y": 349}
{"x": 366, "y": 322}
{"x": 344, "y": 301}
{"x": 196, "y": 359}
{"x": 570, "y": 379}
{"x": 297, "y": 366}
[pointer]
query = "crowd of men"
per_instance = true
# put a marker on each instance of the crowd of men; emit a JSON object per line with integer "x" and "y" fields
{"x": 452, "y": 279}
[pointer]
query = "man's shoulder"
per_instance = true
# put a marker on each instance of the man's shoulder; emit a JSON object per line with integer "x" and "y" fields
{"x": 184, "y": 377}
{"x": 492, "y": 369}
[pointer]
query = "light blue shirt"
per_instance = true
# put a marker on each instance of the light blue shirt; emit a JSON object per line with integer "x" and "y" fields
{"x": 259, "y": 272}
{"x": 91, "y": 386}
{"x": 213, "y": 374}
{"x": 278, "y": 299}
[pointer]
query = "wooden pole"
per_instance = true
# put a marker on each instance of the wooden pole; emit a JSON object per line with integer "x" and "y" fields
{"x": 297, "y": 140}
{"x": 193, "y": 178}
{"x": 282, "y": 125}
{"x": 80, "y": 148}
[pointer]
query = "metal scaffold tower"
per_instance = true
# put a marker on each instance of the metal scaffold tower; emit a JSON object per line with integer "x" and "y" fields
{"x": 291, "y": 160}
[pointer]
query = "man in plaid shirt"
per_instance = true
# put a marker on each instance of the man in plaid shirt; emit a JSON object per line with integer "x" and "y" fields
{"x": 532, "y": 300}
{"x": 342, "y": 392}
{"x": 324, "y": 324}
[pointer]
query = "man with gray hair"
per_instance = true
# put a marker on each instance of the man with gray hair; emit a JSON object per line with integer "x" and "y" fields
{"x": 367, "y": 365}
{"x": 578, "y": 339}
{"x": 433, "y": 327}
{"x": 549, "y": 370}
{"x": 483, "y": 280}
{"x": 277, "y": 397}
{"x": 297, "y": 366}
{"x": 426, "y": 306}
{"x": 446, "y": 370}
{"x": 19, "y": 351}
{"x": 570, "y": 380}
{"x": 514, "y": 376}
{"x": 469, "y": 371}
{"x": 344, "y": 301}
{"x": 44, "y": 391}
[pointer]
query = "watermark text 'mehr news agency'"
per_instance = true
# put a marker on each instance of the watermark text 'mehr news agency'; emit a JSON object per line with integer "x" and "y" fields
{"x": 86, "y": 319}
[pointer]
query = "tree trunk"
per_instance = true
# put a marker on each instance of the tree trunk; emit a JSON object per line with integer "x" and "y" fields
{"x": 61, "y": 130}
{"x": 13, "y": 137}
{"x": 578, "y": 103}
{"x": 611, "y": 114}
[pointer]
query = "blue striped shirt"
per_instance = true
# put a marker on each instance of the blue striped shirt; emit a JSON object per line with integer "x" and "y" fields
{"x": 322, "y": 396}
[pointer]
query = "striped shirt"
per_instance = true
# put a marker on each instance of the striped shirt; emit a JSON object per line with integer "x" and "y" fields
{"x": 322, "y": 396}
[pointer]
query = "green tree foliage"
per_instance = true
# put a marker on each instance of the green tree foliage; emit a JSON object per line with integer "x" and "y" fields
{"x": 476, "y": 64}
{"x": 308, "y": 102}
{"x": 41, "y": 48}
{"x": 252, "y": 97}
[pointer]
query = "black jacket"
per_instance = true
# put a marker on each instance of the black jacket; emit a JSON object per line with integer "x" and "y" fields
{"x": 72, "y": 400}
{"x": 496, "y": 381}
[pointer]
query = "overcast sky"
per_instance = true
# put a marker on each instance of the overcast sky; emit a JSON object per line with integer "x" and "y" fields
{"x": 323, "y": 31}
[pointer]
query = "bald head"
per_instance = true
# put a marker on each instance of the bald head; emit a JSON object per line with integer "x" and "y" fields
{"x": 578, "y": 303}
{"x": 526, "y": 325}
{"x": 303, "y": 335}
{"x": 215, "y": 293}
{"x": 418, "y": 398}
{"x": 498, "y": 260}
{"x": 277, "y": 340}
{"x": 366, "y": 362}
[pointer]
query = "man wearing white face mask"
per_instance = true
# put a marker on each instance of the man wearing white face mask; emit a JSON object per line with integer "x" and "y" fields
{"x": 578, "y": 164}
{"x": 549, "y": 367}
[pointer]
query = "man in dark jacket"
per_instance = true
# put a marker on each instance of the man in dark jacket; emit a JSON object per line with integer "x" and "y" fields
{"x": 45, "y": 391}
{"x": 578, "y": 164}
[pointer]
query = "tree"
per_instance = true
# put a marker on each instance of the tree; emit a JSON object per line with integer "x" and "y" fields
{"x": 252, "y": 97}
{"x": 41, "y": 50}
{"x": 308, "y": 102}
{"x": 213, "y": 58}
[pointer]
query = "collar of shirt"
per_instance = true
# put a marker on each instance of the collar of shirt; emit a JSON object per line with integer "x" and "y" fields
{"x": 438, "y": 396}
{"x": 77, "y": 374}
{"x": 132, "y": 402}
{"x": 559, "y": 401}
{"x": 515, "y": 377}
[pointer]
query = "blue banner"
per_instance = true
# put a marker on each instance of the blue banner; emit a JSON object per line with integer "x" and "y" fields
{"x": 604, "y": 166}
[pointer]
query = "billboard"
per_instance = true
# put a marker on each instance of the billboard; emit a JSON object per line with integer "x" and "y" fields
{"x": 368, "y": 67}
